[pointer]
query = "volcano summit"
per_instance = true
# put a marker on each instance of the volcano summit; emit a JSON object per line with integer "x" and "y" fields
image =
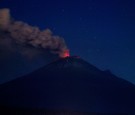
{"x": 68, "y": 84}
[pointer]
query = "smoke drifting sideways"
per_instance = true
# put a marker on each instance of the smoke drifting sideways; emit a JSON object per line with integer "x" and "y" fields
{"x": 26, "y": 39}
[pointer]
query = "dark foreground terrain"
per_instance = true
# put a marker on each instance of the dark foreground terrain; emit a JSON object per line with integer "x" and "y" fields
{"x": 68, "y": 86}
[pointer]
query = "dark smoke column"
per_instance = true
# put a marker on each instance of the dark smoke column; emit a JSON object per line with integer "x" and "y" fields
{"x": 23, "y": 34}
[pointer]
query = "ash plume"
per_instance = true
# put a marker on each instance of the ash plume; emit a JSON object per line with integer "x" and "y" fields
{"x": 26, "y": 36}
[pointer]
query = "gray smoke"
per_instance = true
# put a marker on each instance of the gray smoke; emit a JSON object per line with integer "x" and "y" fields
{"x": 26, "y": 36}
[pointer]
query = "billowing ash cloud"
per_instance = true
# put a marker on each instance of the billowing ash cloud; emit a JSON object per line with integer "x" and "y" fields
{"x": 25, "y": 36}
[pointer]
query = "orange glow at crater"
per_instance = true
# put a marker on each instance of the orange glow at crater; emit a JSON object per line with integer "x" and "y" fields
{"x": 65, "y": 54}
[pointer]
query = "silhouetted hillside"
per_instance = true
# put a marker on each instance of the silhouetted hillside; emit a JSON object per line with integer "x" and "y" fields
{"x": 70, "y": 84}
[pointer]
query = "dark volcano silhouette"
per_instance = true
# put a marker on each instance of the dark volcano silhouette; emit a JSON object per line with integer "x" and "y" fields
{"x": 69, "y": 84}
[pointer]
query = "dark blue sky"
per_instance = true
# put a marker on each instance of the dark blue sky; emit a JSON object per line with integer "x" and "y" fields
{"x": 99, "y": 31}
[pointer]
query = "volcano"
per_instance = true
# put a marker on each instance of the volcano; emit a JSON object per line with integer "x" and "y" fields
{"x": 69, "y": 86}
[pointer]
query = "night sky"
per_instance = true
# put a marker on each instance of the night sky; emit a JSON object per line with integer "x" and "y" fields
{"x": 99, "y": 31}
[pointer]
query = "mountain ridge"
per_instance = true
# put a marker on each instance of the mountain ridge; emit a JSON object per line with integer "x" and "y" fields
{"x": 73, "y": 84}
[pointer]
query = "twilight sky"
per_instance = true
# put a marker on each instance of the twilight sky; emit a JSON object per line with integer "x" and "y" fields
{"x": 99, "y": 31}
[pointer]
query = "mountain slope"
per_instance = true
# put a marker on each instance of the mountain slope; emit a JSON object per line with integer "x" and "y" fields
{"x": 70, "y": 84}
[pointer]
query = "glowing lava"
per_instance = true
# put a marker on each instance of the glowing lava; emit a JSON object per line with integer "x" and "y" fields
{"x": 65, "y": 54}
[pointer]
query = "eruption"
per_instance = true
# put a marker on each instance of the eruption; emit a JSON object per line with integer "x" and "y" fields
{"x": 65, "y": 54}
{"x": 25, "y": 35}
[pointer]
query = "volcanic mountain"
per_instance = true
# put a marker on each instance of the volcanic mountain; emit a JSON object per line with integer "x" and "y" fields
{"x": 68, "y": 84}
